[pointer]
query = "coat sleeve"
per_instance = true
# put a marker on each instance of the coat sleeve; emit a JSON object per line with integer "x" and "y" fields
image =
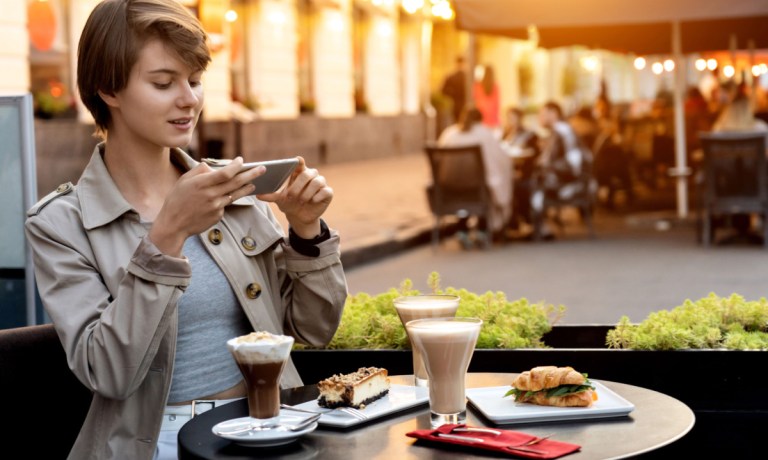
{"x": 110, "y": 338}
{"x": 313, "y": 291}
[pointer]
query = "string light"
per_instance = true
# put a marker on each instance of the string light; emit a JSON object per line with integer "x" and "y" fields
{"x": 640, "y": 63}
{"x": 729, "y": 71}
{"x": 412, "y": 6}
{"x": 701, "y": 64}
{"x": 657, "y": 68}
{"x": 669, "y": 65}
{"x": 711, "y": 63}
{"x": 442, "y": 9}
{"x": 230, "y": 16}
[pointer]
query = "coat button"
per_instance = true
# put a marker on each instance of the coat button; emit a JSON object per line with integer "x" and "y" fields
{"x": 253, "y": 291}
{"x": 214, "y": 236}
{"x": 248, "y": 243}
{"x": 63, "y": 188}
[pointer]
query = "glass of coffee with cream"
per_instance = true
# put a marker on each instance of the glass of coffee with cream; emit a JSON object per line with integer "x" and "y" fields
{"x": 446, "y": 344}
{"x": 414, "y": 307}
{"x": 261, "y": 357}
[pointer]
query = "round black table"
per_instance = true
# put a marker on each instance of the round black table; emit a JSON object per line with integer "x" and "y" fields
{"x": 657, "y": 420}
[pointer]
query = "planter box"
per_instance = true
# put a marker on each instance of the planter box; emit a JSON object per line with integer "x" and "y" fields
{"x": 724, "y": 388}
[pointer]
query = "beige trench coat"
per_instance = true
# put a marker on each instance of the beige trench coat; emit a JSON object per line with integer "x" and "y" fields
{"x": 112, "y": 296}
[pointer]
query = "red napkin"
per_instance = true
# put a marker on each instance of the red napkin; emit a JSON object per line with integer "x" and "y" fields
{"x": 498, "y": 443}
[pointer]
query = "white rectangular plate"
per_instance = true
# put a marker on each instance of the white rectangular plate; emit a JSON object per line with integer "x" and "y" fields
{"x": 400, "y": 397}
{"x": 490, "y": 401}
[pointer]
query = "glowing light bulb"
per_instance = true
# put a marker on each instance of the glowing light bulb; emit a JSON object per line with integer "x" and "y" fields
{"x": 640, "y": 63}
{"x": 701, "y": 64}
{"x": 230, "y": 16}
{"x": 729, "y": 71}
{"x": 669, "y": 65}
{"x": 711, "y": 63}
{"x": 657, "y": 68}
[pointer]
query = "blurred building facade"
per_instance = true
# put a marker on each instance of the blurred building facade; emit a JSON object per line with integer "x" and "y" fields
{"x": 332, "y": 80}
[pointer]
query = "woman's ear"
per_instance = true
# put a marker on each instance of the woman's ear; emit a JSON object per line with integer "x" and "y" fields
{"x": 109, "y": 99}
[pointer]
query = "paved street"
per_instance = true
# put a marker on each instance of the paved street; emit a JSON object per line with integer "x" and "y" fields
{"x": 629, "y": 269}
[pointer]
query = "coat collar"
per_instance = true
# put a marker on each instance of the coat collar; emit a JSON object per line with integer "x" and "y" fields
{"x": 100, "y": 199}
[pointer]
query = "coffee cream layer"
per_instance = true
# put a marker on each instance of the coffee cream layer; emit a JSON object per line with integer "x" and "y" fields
{"x": 260, "y": 347}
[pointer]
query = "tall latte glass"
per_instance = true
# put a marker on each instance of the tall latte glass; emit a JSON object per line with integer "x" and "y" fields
{"x": 261, "y": 357}
{"x": 446, "y": 344}
{"x": 424, "y": 306}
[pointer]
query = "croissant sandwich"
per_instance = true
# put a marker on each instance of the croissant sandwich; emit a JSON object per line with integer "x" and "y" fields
{"x": 553, "y": 386}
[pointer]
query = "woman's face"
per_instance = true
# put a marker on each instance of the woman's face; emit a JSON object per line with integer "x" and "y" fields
{"x": 162, "y": 101}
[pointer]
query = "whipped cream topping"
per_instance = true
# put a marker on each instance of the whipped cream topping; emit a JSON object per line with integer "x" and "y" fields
{"x": 261, "y": 347}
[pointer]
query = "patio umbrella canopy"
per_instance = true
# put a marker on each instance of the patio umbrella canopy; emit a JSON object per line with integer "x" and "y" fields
{"x": 642, "y": 27}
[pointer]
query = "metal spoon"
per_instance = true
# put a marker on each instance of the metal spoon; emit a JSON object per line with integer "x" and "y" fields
{"x": 272, "y": 426}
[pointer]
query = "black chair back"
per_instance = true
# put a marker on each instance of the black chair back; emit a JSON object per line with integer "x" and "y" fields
{"x": 43, "y": 402}
{"x": 458, "y": 183}
{"x": 735, "y": 176}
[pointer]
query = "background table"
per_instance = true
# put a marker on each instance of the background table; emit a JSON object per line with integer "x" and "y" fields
{"x": 657, "y": 420}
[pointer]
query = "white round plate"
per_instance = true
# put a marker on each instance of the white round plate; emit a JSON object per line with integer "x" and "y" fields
{"x": 267, "y": 438}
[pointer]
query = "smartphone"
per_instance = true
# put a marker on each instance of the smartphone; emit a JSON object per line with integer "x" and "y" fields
{"x": 278, "y": 171}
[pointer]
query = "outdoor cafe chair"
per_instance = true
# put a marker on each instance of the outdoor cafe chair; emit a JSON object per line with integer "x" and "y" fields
{"x": 458, "y": 186}
{"x": 735, "y": 179}
{"x": 44, "y": 404}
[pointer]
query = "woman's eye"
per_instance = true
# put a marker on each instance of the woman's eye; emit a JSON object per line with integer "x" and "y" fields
{"x": 195, "y": 83}
{"x": 162, "y": 85}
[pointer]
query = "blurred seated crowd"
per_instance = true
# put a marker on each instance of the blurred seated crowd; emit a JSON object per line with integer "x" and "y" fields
{"x": 603, "y": 151}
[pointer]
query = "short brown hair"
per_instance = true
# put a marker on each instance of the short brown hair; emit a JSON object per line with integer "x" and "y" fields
{"x": 114, "y": 34}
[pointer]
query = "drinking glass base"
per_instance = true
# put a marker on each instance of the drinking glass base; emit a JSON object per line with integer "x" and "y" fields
{"x": 437, "y": 419}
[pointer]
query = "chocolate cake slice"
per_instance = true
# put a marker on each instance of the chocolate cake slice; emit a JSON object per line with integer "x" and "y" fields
{"x": 353, "y": 390}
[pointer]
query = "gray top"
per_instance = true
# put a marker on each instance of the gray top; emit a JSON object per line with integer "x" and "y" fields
{"x": 209, "y": 315}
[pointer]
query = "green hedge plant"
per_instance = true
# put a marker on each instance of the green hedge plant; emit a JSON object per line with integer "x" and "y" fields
{"x": 712, "y": 323}
{"x": 371, "y": 322}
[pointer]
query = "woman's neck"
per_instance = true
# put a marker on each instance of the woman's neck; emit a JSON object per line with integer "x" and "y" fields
{"x": 143, "y": 173}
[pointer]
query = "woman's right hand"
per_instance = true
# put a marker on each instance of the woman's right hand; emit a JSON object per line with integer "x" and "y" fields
{"x": 197, "y": 201}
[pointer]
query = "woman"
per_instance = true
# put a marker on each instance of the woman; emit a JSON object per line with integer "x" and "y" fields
{"x": 152, "y": 261}
{"x": 498, "y": 170}
{"x": 487, "y": 99}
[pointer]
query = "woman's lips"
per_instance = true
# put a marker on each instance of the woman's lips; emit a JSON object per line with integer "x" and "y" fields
{"x": 182, "y": 123}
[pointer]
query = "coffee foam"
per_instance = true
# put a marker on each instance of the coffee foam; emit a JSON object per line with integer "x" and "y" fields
{"x": 425, "y": 302}
{"x": 261, "y": 347}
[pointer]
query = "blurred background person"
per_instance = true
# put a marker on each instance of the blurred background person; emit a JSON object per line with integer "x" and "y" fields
{"x": 455, "y": 88}
{"x": 487, "y": 97}
{"x": 558, "y": 173}
{"x": 738, "y": 116}
{"x": 498, "y": 171}
{"x": 612, "y": 163}
{"x": 525, "y": 147}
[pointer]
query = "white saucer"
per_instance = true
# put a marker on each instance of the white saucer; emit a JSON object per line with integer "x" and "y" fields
{"x": 267, "y": 438}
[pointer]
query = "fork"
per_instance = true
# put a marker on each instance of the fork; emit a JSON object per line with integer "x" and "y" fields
{"x": 347, "y": 410}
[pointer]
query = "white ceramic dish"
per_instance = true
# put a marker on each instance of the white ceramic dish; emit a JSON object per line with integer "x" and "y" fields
{"x": 490, "y": 401}
{"x": 400, "y": 397}
{"x": 267, "y": 438}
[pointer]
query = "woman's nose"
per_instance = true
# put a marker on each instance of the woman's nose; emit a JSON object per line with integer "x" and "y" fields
{"x": 189, "y": 96}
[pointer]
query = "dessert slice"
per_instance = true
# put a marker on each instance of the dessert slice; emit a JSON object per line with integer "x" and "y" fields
{"x": 353, "y": 390}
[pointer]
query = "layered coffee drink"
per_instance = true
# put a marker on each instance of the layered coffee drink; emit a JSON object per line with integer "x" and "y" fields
{"x": 419, "y": 307}
{"x": 261, "y": 357}
{"x": 446, "y": 344}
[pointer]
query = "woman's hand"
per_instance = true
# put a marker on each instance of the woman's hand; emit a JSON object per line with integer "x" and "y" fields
{"x": 197, "y": 201}
{"x": 303, "y": 200}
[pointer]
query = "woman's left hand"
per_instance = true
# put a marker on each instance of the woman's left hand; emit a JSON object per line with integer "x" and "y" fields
{"x": 303, "y": 200}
